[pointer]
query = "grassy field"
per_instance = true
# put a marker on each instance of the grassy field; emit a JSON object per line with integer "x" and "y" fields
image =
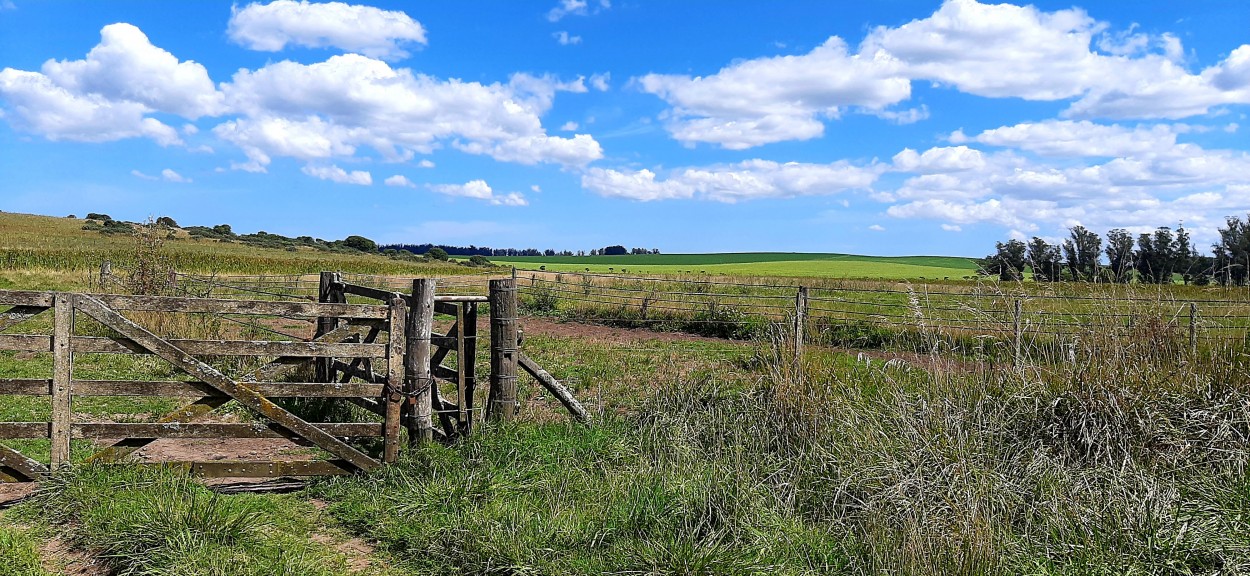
{"x": 30, "y": 242}
{"x": 772, "y": 264}
{"x": 1125, "y": 452}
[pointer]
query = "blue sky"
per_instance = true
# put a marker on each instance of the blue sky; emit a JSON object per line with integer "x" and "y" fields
{"x": 888, "y": 127}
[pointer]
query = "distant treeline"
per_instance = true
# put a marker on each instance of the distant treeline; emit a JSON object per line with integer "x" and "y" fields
{"x": 471, "y": 250}
{"x": 1150, "y": 258}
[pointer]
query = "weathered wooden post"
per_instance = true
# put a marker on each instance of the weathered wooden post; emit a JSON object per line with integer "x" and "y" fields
{"x": 328, "y": 291}
{"x": 468, "y": 364}
{"x": 62, "y": 377}
{"x": 417, "y": 375}
{"x": 106, "y": 273}
{"x": 397, "y": 320}
{"x": 503, "y": 350}
{"x": 1018, "y": 321}
{"x": 1193, "y": 328}
{"x": 800, "y": 321}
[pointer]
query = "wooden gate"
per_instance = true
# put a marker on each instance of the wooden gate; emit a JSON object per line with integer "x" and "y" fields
{"x": 207, "y": 386}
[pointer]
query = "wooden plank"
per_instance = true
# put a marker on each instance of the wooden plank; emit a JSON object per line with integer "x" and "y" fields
{"x": 468, "y": 364}
{"x": 239, "y": 469}
{"x": 350, "y": 370}
{"x": 125, "y": 447}
{"x": 460, "y": 372}
{"x": 62, "y": 374}
{"x": 394, "y": 378}
{"x": 454, "y": 298}
{"x": 240, "y": 393}
{"x": 417, "y": 378}
{"x": 18, "y": 314}
{"x": 14, "y": 463}
{"x": 215, "y": 430}
{"x": 99, "y": 345}
{"x": 281, "y": 365}
{"x": 25, "y": 387}
{"x": 179, "y": 389}
{"x": 252, "y": 307}
{"x": 26, "y": 298}
{"x": 555, "y": 387}
{"x": 367, "y": 292}
{"x": 445, "y": 308}
{"x": 25, "y": 430}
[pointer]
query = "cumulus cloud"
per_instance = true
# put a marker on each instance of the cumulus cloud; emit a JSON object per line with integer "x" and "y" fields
{"x": 339, "y": 175}
{"x": 170, "y": 176}
{"x": 363, "y": 29}
{"x": 363, "y": 102}
{"x": 39, "y": 106}
{"x": 989, "y": 50}
{"x": 877, "y": 228}
{"x": 600, "y": 82}
{"x": 1066, "y": 138}
{"x": 400, "y": 181}
{"x": 747, "y": 180}
{"x": 934, "y": 160}
{"x": 480, "y": 190}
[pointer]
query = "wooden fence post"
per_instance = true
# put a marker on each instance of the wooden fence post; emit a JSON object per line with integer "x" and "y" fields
{"x": 327, "y": 292}
{"x": 1018, "y": 320}
{"x": 62, "y": 377}
{"x": 106, "y": 274}
{"x": 468, "y": 364}
{"x": 417, "y": 375}
{"x": 1193, "y": 328}
{"x": 397, "y": 320}
{"x": 800, "y": 328}
{"x": 503, "y": 350}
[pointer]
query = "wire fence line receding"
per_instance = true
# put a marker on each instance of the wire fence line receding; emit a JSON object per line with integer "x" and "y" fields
{"x": 849, "y": 310}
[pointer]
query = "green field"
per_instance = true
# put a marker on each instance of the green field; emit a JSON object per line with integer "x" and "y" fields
{"x": 783, "y": 264}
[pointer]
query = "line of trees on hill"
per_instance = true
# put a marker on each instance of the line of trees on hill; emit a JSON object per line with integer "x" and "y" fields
{"x": 472, "y": 250}
{"x": 1150, "y": 258}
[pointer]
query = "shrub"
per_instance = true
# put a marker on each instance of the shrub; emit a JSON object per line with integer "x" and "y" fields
{"x": 436, "y": 253}
{"x": 361, "y": 243}
{"x": 98, "y": 216}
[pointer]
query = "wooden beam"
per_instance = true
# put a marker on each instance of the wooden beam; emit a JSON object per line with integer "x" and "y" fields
{"x": 240, "y": 393}
{"x": 26, "y": 298}
{"x": 98, "y": 345}
{"x": 182, "y": 389}
{"x": 250, "y": 307}
{"x": 98, "y": 430}
{"x": 555, "y": 387}
{"x": 236, "y": 469}
{"x": 62, "y": 377}
{"x": 14, "y": 463}
{"x": 468, "y": 364}
{"x": 503, "y": 350}
{"x": 396, "y": 341}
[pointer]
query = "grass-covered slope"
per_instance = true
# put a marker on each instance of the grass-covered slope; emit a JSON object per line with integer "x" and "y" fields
{"x": 790, "y": 264}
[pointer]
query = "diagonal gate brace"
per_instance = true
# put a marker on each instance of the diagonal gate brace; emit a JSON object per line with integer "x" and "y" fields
{"x": 243, "y": 394}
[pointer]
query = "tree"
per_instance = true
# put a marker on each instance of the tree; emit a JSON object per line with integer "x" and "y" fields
{"x": 1232, "y": 253}
{"x": 1184, "y": 256}
{"x": 361, "y": 243}
{"x": 1045, "y": 260}
{"x": 223, "y": 229}
{"x": 436, "y": 253}
{"x": 616, "y": 250}
{"x": 1082, "y": 250}
{"x": 1156, "y": 256}
{"x": 1007, "y": 262}
{"x": 167, "y": 222}
{"x": 1120, "y": 254}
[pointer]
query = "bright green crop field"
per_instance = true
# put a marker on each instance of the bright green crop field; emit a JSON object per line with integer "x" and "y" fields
{"x": 757, "y": 264}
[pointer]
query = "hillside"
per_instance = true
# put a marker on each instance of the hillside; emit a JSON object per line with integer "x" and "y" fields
{"x": 790, "y": 264}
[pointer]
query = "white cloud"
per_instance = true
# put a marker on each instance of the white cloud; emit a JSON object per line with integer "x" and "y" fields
{"x": 877, "y": 228}
{"x": 935, "y": 160}
{"x": 425, "y": 163}
{"x": 142, "y": 176}
{"x": 125, "y": 66}
{"x": 952, "y": 228}
{"x": 600, "y": 82}
{"x": 1066, "y": 138}
{"x": 170, "y": 176}
{"x": 400, "y": 181}
{"x": 363, "y": 29}
{"x": 730, "y": 183}
{"x": 38, "y": 106}
{"x": 576, "y": 8}
{"x": 989, "y": 50}
{"x": 339, "y": 175}
{"x": 569, "y": 126}
{"x": 776, "y": 99}
{"x": 565, "y": 39}
{"x": 479, "y": 190}
{"x": 7, "y": 5}
{"x": 358, "y": 102}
